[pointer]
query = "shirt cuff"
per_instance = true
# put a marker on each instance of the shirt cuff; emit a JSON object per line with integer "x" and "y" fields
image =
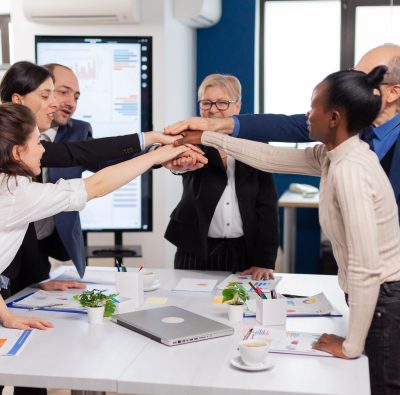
{"x": 142, "y": 140}
{"x": 236, "y": 128}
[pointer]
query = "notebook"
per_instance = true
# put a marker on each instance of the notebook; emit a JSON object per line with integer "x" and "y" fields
{"x": 172, "y": 325}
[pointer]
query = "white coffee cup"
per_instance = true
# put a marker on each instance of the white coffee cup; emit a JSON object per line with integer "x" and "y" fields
{"x": 253, "y": 352}
{"x": 149, "y": 278}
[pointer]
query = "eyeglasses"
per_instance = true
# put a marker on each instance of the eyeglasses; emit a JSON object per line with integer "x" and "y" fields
{"x": 222, "y": 105}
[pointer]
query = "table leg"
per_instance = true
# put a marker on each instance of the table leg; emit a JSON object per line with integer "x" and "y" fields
{"x": 289, "y": 239}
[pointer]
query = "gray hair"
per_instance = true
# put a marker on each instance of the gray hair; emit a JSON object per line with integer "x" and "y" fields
{"x": 229, "y": 82}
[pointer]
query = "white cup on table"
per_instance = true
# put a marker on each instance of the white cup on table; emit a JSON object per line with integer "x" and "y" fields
{"x": 253, "y": 352}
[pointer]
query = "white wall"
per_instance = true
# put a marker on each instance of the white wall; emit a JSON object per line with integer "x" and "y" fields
{"x": 174, "y": 66}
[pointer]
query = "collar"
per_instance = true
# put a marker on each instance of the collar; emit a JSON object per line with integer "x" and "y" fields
{"x": 51, "y": 133}
{"x": 383, "y": 130}
{"x": 346, "y": 148}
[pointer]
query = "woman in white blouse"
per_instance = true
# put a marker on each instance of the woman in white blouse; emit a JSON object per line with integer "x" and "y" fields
{"x": 358, "y": 213}
{"x": 23, "y": 201}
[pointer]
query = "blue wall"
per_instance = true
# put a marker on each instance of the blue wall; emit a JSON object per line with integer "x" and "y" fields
{"x": 228, "y": 47}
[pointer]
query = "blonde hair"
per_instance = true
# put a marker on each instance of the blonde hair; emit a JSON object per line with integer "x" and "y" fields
{"x": 229, "y": 82}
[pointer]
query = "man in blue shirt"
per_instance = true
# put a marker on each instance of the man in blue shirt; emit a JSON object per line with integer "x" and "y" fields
{"x": 383, "y": 136}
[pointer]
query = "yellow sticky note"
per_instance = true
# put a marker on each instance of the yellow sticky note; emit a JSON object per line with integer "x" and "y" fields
{"x": 156, "y": 300}
{"x": 217, "y": 299}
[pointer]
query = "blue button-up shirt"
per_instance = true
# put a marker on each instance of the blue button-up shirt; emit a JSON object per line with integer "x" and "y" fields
{"x": 386, "y": 135}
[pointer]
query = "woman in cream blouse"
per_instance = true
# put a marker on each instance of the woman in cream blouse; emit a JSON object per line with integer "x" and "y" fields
{"x": 357, "y": 211}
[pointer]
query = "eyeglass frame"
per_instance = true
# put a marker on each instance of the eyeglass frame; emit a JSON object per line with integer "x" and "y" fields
{"x": 214, "y": 103}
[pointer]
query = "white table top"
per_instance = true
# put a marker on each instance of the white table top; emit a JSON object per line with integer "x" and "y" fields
{"x": 112, "y": 358}
{"x": 291, "y": 199}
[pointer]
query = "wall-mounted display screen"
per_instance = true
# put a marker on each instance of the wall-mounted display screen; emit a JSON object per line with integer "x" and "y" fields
{"x": 115, "y": 78}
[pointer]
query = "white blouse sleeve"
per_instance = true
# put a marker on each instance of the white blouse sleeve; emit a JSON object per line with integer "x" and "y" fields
{"x": 30, "y": 201}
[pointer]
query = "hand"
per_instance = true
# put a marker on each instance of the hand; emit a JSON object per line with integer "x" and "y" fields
{"x": 188, "y": 161}
{"x": 16, "y": 322}
{"x": 189, "y": 138}
{"x": 159, "y": 137}
{"x": 59, "y": 285}
{"x": 259, "y": 273}
{"x": 332, "y": 344}
{"x": 167, "y": 153}
{"x": 224, "y": 125}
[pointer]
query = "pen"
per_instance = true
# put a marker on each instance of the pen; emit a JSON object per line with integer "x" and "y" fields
{"x": 261, "y": 293}
{"x": 256, "y": 289}
{"x": 247, "y": 335}
{"x": 118, "y": 263}
{"x": 123, "y": 268}
{"x": 273, "y": 294}
{"x": 140, "y": 268}
{"x": 293, "y": 296}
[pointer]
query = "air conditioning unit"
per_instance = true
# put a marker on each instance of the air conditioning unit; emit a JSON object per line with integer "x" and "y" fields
{"x": 82, "y": 11}
{"x": 198, "y": 13}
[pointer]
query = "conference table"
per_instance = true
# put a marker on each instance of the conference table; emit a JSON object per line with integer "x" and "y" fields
{"x": 109, "y": 357}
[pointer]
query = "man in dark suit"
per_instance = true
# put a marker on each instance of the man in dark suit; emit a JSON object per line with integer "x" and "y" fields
{"x": 227, "y": 217}
{"x": 383, "y": 136}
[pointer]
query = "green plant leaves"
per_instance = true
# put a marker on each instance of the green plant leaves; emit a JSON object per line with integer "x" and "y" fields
{"x": 235, "y": 293}
{"x": 97, "y": 298}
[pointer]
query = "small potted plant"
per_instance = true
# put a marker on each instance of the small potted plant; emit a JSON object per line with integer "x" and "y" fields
{"x": 235, "y": 295}
{"x": 98, "y": 304}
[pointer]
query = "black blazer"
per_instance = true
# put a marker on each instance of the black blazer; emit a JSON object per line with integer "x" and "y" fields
{"x": 202, "y": 189}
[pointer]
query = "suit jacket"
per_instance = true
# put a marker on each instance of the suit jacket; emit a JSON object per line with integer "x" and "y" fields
{"x": 70, "y": 244}
{"x": 293, "y": 128}
{"x": 30, "y": 265}
{"x": 202, "y": 189}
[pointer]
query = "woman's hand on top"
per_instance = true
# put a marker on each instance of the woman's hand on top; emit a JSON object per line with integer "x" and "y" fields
{"x": 17, "y": 322}
{"x": 259, "y": 273}
{"x": 186, "y": 126}
{"x": 331, "y": 344}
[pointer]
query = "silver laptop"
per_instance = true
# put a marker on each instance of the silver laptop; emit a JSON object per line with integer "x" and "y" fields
{"x": 172, "y": 325}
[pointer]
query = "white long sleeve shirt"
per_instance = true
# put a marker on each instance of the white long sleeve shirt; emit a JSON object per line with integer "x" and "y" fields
{"x": 357, "y": 212}
{"x": 23, "y": 201}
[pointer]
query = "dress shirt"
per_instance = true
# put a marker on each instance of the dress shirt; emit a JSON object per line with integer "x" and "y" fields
{"x": 227, "y": 221}
{"x": 385, "y": 136}
{"x": 23, "y": 201}
{"x": 357, "y": 212}
{"x": 45, "y": 227}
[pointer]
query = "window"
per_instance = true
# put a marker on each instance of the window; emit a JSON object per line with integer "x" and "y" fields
{"x": 4, "y": 39}
{"x": 303, "y": 41}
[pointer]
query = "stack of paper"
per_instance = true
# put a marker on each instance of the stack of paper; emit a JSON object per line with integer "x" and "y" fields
{"x": 313, "y": 306}
{"x": 288, "y": 342}
{"x": 195, "y": 285}
{"x": 264, "y": 285}
{"x": 51, "y": 300}
{"x": 316, "y": 305}
{"x": 13, "y": 340}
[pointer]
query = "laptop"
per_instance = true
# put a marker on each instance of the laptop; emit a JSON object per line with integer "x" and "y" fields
{"x": 172, "y": 325}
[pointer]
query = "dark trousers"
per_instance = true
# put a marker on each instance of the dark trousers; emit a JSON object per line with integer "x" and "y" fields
{"x": 383, "y": 342}
{"x": 382, "y": 345}
{"x": 223, "y": 254}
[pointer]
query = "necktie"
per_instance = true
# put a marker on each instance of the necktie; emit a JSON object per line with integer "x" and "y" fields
{"x": 368, "y": 136}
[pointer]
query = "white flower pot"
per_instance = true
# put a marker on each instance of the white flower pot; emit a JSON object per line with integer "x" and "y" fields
{"x": 95, "y": 315}
{"x": 235, "y": 312}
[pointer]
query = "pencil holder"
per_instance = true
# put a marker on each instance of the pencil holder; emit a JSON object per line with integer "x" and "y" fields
{"x": 129, "y": 285}
{"x": 271, "y": 311}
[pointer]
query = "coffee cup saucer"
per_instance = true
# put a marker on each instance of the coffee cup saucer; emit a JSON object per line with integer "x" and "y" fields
{"x": 152, "y": 287}
{"x": 237, "y": 362}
